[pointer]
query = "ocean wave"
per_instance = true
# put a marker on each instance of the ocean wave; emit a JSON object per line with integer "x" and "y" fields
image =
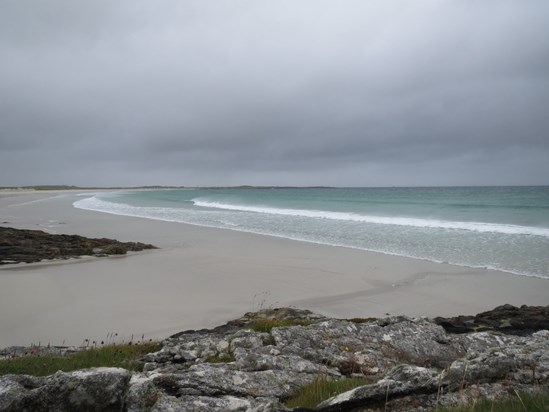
{"x": 382, "y": 220}
{"x": 98, "y": 205}
{"x": 211, "y": 218}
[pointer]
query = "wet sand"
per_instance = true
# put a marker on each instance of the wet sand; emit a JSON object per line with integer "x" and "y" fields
{"x": 203, "y": 277}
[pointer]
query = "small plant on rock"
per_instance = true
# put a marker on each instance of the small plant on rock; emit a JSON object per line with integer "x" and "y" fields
{"x": 320, "y": 389}
{"x": 266, "y": 325}
{"x": 220, "y": 358}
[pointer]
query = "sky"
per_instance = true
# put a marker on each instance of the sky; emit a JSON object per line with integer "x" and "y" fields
{"x": 285, "y": 92}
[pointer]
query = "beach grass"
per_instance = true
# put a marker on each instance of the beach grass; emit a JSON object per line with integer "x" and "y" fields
{"x": 123, "y": 355}
{"x": 520, "y": 402}
{"x": 266, "y": 325}
{"x": 320, "y": 389}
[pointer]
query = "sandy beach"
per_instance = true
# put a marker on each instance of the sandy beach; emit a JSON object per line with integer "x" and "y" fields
{"x": 202, "y": 277}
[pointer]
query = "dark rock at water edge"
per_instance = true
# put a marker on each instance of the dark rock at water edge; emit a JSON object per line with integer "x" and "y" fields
{"x": 18, "y": 245}
{"x": 411, "y": 364}
{"x": 507, "y": 319}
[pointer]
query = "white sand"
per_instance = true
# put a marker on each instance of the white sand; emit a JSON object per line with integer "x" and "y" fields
{"x": 202, "y": 277}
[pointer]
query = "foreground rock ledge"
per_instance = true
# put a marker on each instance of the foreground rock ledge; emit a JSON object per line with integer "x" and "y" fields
{"x": 19, "y": 245}
{"x": 413, "y": 364}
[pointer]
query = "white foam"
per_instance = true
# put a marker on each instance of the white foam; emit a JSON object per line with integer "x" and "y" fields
{"x": 383, "y": 220}
{"x": 98, "y": 205}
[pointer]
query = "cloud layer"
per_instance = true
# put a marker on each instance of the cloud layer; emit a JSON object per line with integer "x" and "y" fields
{"x": 348, "y": 93}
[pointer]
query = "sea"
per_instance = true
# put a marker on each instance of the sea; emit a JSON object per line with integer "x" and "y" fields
{"x": 502, "y": 228}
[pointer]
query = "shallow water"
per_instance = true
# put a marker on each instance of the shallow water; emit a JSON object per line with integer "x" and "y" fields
{"x": 504, "y": 228}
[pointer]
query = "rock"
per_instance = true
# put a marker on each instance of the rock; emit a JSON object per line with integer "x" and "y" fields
{"x": 506, "y": 319}
{"x": 216, "y": 380}
{"x": 412, "y": 364}
{"x": 18, "y": 351}
{"x": 29, "y": 246}
{"x": 222, "y": 403}
{"x": 522, "y": 360}
{"x": 400, "y": 381}
{"x": 142, "y": 394}
{"x": 370, "y": 345}
{"x": 99, "y": 389}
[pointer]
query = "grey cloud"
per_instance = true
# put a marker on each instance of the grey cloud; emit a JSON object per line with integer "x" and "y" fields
{"x": 203, "y": 92}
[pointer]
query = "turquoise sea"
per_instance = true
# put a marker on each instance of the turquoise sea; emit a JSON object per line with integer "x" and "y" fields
{"x": 504, "y": 228}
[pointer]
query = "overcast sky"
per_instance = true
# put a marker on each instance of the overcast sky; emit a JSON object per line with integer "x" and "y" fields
{"x": 278, "y": 92}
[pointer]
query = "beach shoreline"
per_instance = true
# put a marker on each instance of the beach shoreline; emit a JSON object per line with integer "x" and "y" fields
{"x": 203, "y": 277}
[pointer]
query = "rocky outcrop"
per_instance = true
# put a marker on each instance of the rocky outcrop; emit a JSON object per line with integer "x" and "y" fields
{"x": 99, "y": 389}
{"x": 411, "y": 364}
{"x": 17, "y": 245}
{"x": 506, "y": 319}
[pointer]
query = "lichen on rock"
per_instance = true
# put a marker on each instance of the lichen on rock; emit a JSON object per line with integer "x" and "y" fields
{"x": 411, "y": 363}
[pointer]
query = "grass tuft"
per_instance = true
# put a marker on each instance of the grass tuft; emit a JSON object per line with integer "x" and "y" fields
{"x": 522, "y": 402}
{"x": 310, "y": 395}
{"x": 220, "y": 358}
{"x": 266, "y": 325}
{"x": 123, "y": 356}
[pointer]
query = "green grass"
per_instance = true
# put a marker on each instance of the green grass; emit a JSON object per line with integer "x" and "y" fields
{"x": 221, "y": 358}
{"x": 309, "y": 396}
{"x": 266, "y": 325}
{"x": 522, "y": 402}
{"x": 124, "y": 356}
